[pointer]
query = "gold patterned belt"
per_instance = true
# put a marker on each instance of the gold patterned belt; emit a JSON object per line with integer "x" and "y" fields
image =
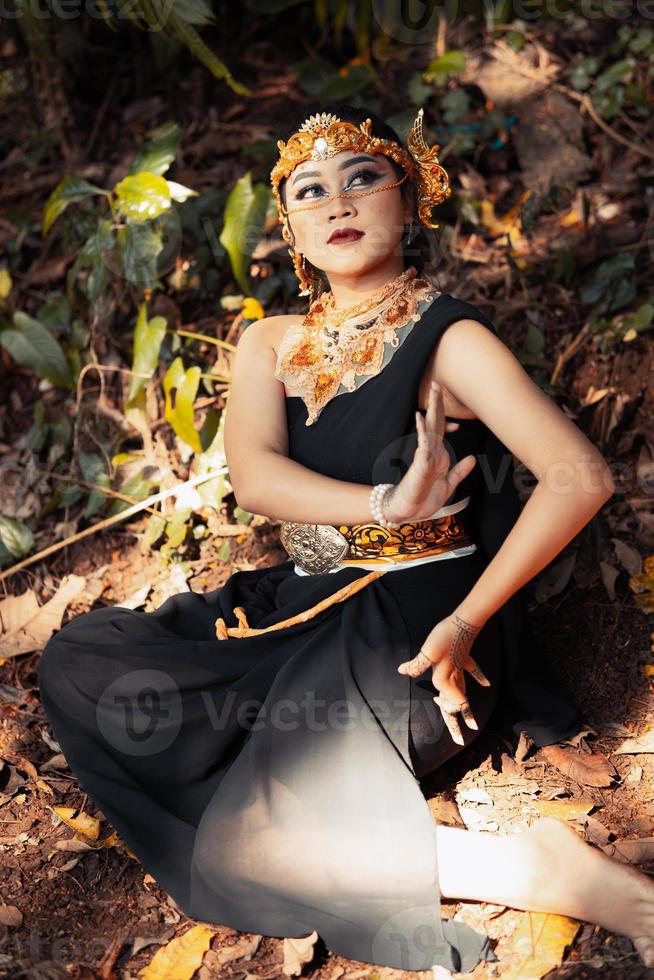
{"x": 318, "y": 548}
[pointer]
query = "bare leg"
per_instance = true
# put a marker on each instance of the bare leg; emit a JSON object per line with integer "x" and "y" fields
{"x": 549, "y": 868}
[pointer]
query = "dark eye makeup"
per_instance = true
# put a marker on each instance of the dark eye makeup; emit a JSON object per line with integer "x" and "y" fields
{"x": 364, "y": 172}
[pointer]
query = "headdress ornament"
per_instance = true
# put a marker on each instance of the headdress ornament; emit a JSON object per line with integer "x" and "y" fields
{"x": 323, "y": 135}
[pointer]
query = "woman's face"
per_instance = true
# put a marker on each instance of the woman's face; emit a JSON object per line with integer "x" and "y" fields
{"x": 380, "y": 216}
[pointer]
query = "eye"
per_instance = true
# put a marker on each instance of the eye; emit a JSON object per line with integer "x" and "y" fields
{"x": 372, "y": 174}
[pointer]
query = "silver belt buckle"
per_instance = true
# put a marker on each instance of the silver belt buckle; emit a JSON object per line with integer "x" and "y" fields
{"x": 315, "y": 548}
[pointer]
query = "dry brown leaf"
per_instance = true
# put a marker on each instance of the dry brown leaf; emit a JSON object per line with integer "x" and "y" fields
{"x": 298, "y": 952}
{"x": 524, "y": 746}
{"x": 538, "y": 945}
{"x": 628, "y": 557}
{"x": 181, "y": 957}
{"x": 57, "y": 761}
{"x": 590, "y": 768}
{"x": 641, "y": 743}
{"x": 554, "y": 580}
{"x": 595, "y": 830}
{"x": 244, "y": 948}
{"x": 32, "y": 628}
{"x": 73, "y": 844}
{"x": 639, "y": 851}
{"x": 10, "y": 915}
{"x": 16, "y": 610}
{"x": 445, "y": 811}
{"x": 83, "y": 823}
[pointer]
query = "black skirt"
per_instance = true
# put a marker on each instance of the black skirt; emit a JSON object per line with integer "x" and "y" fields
{"x": 270, "y": 782}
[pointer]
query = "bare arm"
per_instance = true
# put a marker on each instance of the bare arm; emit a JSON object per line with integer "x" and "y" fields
{"x": 574, "y": 480}
{"x": 264, "y": 479}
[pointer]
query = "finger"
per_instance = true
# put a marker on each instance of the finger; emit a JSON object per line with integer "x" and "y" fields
{"x": 435, "y": 417}
{"x": 477, "y": 673}
{"x": 469, "y": 718}
{"x": 416, "y": 666}
{"x": 450, "y": 719}
{"x": 423, "y": 455}
{"x": 451, "y": 426}
{"x": 430, "y": 442}
{"x": 459, "y": 472}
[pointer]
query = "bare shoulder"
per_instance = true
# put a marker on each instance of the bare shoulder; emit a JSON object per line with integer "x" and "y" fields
{"x": 271, "y": 329}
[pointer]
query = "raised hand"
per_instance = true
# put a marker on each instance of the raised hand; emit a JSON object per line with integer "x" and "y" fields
{"x": 447, "y": 651}
{"x": 429, "y": 481}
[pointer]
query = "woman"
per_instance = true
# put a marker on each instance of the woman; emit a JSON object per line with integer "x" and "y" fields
{"x": 260, "y": 747}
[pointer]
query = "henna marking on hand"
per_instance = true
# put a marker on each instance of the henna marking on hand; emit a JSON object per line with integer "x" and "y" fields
{"x": 462, "y": 642}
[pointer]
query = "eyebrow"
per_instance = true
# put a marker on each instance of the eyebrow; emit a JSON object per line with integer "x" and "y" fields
{"x": 348, "y": 163}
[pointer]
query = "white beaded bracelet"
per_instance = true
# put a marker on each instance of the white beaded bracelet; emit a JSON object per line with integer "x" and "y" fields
{"x": 377, "y": 498}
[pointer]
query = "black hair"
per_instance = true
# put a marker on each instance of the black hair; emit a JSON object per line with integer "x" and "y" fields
{"x": 423, "y": 250}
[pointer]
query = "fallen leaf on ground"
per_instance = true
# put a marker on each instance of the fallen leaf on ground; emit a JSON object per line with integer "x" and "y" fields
{"x": 181, "y": 957}
{"x": 32, "y": 626}
{"x": 298, "y": 952}
{"x": 243, "y": 948}
{"x": 538, "y": 945}
{"x": 592, "y": 769}
{"x": 83, "y": 823}
{"x": 10, "y": 915}
{"x": 564, "y": 810}
{"x": 639, "y": 851}
{"x": 641, "y": 743}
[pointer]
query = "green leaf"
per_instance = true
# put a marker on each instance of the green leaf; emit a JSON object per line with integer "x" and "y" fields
{"x": 55, "y": 314}
{"x": 602, "y": 279}
{"x": 180, "y": 387}
{"x": 70, "y": 495}
{"x": 583, "y": 72}
{"x": 418, "y": 90}
{"x": 93, "y": 470}
{"x": 451, "y": 61}
{"x": 535, "y": 339}
{"x": 15, "y": 537}
{"x": 32, "y": 345}
{"x": 154, "y": 528}
{"x": 38, "y": 431}
{"x": 139, "y": 246}
{"x": 68, "y": 190}
{"x": 635, "y": 323}
{"x": 176, "y": 527}
{"x": 138, "y": 486}
{"x": 97, "y": 282}
{"x": 615, "y": 73}
{"x": 245, "y": 214}
{"x": 142, "y": 196}
{"x": 159, "y": 152}
{"x": 343, "y": 86}
{"x": 148, "y": 337}
{"x": 455, "y": 105}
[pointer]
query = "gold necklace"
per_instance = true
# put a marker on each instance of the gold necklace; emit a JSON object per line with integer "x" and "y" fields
{"x": 322, "y": 310}
{"x": 332, "y": 347}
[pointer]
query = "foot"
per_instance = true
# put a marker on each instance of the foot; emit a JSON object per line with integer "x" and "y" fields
{"x": 590, "y": 768}
{"x": 599, "y": 889}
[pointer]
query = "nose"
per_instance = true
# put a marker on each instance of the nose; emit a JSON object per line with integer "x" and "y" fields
{"x": 339, "y": 206}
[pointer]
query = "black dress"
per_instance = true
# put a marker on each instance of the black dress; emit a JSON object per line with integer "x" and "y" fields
{"x": 271, "y": 782}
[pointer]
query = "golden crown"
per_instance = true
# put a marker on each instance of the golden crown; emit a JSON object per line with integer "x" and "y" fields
{"x": 322, "y": 135}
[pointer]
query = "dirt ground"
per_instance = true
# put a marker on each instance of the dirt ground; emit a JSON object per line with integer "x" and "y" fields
{"x": 79, "y": 911}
